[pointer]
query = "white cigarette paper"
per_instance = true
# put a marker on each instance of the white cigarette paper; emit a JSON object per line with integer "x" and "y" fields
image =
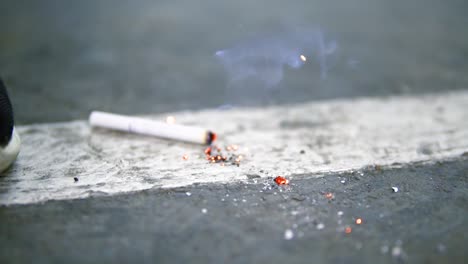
{"x": 152, "y": 128}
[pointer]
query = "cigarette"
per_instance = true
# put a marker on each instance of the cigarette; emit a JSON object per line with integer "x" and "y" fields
{"x": 151, "y": 128}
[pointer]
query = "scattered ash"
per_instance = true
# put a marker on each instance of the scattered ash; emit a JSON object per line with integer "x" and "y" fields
{"x": 344, "y": 207}
{"x": 224, "y": 156}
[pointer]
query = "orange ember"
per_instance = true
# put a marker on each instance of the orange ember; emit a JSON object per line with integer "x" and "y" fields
{"x": 281, "y": 180}
{"x": 208, "y": 151}
{"x": 348, "y": 230}
{"x": 329, "y": 195}
{"x": 358, "y": 221}
{"x": 214, "y": 154}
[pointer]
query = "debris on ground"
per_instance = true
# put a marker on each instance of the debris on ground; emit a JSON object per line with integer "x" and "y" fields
{"x": 216, "y": 154}
{"x": 348, "y": 230}
{"x": 288, "y": 234}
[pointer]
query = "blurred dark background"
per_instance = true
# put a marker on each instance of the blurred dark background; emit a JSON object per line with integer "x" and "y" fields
{"x": 62, "y": 59}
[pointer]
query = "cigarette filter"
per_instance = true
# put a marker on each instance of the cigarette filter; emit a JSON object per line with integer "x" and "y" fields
{"x": 152, "y": 128}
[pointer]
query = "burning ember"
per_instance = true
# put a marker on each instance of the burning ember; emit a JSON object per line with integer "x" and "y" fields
{"x": 358, "y": 221}
{"x": 329, "y": 195}
{"x": 303, "y": 58}
{"x": 215, "y": 154}
{"x": 281, "y": 180}
{"x": 348, "y": 230}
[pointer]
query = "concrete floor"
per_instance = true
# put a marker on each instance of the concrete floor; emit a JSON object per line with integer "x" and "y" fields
{"x": 62, "y": 60}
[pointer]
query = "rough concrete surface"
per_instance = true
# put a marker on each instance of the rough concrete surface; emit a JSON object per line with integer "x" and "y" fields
{"x": 333, "y": 136}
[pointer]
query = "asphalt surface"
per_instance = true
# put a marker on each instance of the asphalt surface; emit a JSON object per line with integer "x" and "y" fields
{"x": 61, "y": 60}
{"x": 424, "y": 222}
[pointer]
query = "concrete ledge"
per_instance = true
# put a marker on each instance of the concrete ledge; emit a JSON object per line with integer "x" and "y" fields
{"x": 333, "y": 136}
